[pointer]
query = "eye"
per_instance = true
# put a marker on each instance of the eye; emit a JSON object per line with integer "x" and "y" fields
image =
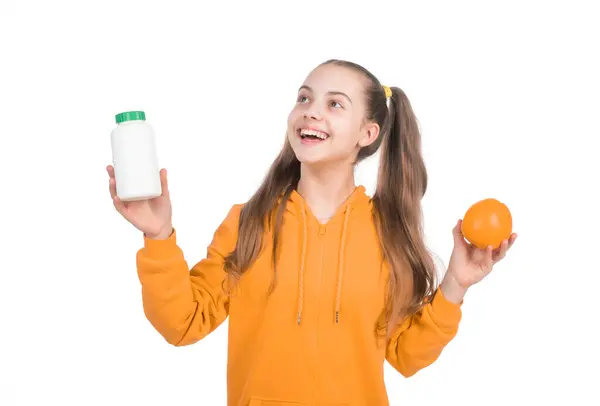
{"x": 335, "y": 104}
{"x": 302, "y": 99}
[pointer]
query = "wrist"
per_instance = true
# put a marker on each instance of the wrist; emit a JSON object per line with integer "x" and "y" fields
{"x": 161, "y": 235}
{"x": 452, "y": 290}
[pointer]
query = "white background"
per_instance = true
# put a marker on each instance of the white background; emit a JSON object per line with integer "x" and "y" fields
{"x": 507, "y": 94}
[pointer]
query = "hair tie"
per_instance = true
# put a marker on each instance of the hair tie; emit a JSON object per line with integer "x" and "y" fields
{"x": 388, "y": 92}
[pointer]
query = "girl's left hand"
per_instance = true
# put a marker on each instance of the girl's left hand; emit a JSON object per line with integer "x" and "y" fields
{"x": 469, "y": 264}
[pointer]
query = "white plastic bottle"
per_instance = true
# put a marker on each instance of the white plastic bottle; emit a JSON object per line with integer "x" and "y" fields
{"x": 135, "y": 158}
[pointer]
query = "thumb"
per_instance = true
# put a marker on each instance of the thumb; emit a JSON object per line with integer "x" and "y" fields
{"x": 457, "y": 233}
{"x": 164, "y": 183}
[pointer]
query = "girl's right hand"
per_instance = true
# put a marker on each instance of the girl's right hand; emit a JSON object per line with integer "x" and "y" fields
{"x": 151, "y": 216}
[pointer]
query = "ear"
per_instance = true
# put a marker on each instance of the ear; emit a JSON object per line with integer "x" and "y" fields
{"x": 370, "y": 132}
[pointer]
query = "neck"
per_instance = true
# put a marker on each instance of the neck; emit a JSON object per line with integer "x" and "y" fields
{"x": 325, "y": 188}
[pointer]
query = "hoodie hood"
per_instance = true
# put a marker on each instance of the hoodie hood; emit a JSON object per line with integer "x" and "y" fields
{"x": 297, "y": 206}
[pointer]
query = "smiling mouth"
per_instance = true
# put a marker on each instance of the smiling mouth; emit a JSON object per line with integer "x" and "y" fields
{"x": 312, "y": 135}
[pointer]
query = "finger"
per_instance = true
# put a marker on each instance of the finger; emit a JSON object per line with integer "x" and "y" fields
{"x": 457, "y": 227}
{"x": 512, "y": 239}
{"x": 111, "y": 171}
{"x": 501, "y": 251}
{"x": 118, "y": 203}
{"x": 457, "y": 230}
{"x": 489, "y": 257}
{"x": 458, "y": 235}
{"x": 483, "y": 257}
{"x": 112, "y": 187}
{"x": 164, "y": 182}
{"x": 119, "y": 206}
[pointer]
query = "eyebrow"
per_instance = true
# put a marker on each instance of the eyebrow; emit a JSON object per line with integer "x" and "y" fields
{"x": 335, "y": 93}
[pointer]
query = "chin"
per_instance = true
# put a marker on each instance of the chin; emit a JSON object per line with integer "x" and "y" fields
{"x": 309, "y": 157}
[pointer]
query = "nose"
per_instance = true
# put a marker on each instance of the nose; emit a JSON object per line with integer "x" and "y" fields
{"x": 313, "y": 112}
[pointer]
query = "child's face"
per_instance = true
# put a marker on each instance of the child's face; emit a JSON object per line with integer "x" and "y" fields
{"x": 331, "y": 102}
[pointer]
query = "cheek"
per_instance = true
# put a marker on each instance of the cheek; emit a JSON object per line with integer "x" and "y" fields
{"x": 292, "y": 122}
{"x": 347, "y": 133}
{"x": 295, "y": 113}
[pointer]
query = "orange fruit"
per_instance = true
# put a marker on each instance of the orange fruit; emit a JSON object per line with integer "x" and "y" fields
{"x": 487, "y": 222}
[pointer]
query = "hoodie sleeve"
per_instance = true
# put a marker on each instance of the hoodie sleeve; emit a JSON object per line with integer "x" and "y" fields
{"x": 419, "y": 341}
{"x": 182, "y": 304}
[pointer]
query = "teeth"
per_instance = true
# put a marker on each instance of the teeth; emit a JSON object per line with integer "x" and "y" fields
{"x": 317, "y": 134}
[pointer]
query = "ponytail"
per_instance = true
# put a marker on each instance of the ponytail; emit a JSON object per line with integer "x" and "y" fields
{"x": 401, "y": 184}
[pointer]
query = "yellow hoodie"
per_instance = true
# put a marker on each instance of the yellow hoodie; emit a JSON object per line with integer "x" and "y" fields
{"x": 313, "y": 341}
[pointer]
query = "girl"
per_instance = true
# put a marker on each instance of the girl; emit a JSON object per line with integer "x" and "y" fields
{"x": 321, "y": 283}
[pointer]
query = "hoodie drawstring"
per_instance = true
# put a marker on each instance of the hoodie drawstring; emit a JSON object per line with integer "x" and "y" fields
{"x": 340, "y": 265}
{"x": 302, "y": 260}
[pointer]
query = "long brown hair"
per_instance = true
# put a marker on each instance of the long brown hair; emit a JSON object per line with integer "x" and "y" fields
{"x": 401, "y": 184}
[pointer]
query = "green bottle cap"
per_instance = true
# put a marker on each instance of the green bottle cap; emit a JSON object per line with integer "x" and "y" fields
{"x": 130, "y": 115}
